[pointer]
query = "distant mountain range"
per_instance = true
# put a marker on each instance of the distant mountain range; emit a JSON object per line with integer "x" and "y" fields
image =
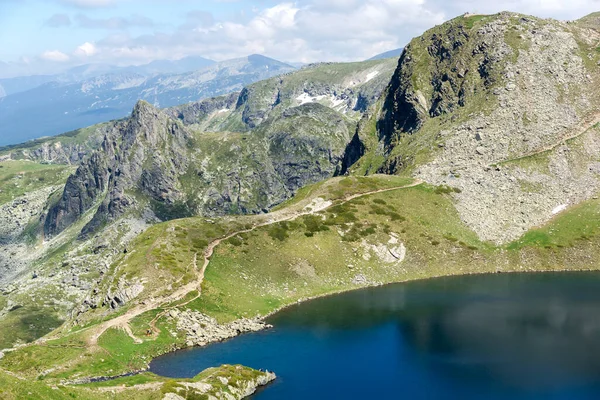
{"x": 80, "y": 73}
{"x": 36, "y": 106}
{"x": 387, "y": 54}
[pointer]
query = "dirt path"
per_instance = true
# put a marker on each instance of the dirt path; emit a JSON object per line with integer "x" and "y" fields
{"x": 122, "y": 321}
{"x": 582, "y": 128}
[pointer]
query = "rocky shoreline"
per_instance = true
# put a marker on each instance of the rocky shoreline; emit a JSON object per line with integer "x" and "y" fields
{"x": 200, "y": 329}
{"x": 227, "y": 382}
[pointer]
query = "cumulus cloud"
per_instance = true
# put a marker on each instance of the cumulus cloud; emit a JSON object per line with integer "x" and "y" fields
{"x": 87, "y": 50}
{"x": 55, "y": 55}
{"x": 316, "y": 30}
{"x": 301, "y": 30}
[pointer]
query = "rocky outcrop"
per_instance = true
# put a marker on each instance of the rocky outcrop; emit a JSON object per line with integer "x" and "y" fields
{"x": 475, "y": 99}
{"x": 307, "y": 144}
{"x": 123, "y": 294}
{"x": 69, "y": 148}
{"x": 54, "y": 153}
{"x": 227, "y": 382}
{"x": 145, "y": 153}
{"x": 15, "y": 217}
{"x": 197, "y": 112}
{"x": 293, "y": 130}
{"x": 201, "y": 329}
{"x": 81, "y": 192}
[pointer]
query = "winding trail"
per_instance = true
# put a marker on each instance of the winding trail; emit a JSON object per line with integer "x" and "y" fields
{"x": 577, "y": 131}
{"x": 122, "y": 321}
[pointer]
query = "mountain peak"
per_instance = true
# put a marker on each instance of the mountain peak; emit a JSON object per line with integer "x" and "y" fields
{"x": 259, "y": 59}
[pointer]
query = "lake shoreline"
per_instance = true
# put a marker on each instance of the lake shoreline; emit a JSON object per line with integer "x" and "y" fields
{"x": 264, "y": 318}
{"x": 454, "y": 326}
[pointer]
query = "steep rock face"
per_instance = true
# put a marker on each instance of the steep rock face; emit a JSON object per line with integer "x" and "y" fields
{"x": 441, "y": 72}
{"x": 250, "y": 173}
{"x": 195, "y": 112}
{"x": 472, "y": 97}
{"x": 81, "y": 191}
{"x": 152, "y": 162}
{"x": 240, "y": 153}
{"x": 144, "y": 153}
{"x": 307, "y": 144}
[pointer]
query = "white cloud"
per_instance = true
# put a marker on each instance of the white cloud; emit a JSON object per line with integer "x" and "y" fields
{"x": 313, "y": 30}
{"x": 87, "y": 49}
{"x": 55, "y": 55}
{"x": 301, "y": 30}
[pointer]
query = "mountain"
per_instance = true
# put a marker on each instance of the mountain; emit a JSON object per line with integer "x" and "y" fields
{"x": 388, "y": 54}
{"x": 186, "y": 64}
{"x": 475, "y": 152}
{"x": 469, "y": 109}
{"x": 81, "y": 73}
{"x": 60, "y": 106}
{"x": 22, "y": 84}
{"x": 296, "y": 127}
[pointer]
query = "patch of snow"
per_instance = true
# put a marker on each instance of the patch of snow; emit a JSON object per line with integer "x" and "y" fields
{"x": 558, "y": 209}
{"x": 304, "y": 98}
{"x": 224, "y": 110}
{"x": 339, "y": 104}
{"x": 336, "y": 102}
{"x": 372, "y": 75}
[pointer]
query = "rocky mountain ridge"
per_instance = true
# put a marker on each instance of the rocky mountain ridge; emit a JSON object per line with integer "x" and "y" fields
{"x": 60, "y": 106}
{"x": 495, "y": 117}
{"x": 182, "y": 161}
{"x": 478, "y": 92}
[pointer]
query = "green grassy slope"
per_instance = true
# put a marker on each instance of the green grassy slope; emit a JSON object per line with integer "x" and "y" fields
{"x": 341, "y": 248}
{"x": 20, "y": 177}
{"x": 87, "y": 137}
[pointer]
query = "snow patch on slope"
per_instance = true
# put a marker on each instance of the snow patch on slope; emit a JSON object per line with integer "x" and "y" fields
{"x": 371, "y": 75}
{"x": 558, "y": 209}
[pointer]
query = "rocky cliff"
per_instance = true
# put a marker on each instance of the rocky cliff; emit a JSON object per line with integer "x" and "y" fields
{"x": 145, "y": 153}
{"x": 471, "y": 97}
{"x": 241, "y": 153}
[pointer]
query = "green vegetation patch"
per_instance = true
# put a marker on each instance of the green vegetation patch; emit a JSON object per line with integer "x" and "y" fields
{"x": 579, "y": 224}
{"x": 323, "y": 253}
{"x": 20, "y": 177}
{"x": 24, "y": 324}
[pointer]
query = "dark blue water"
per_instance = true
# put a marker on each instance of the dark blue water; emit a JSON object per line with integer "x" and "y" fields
{"x": 504, "y": 336}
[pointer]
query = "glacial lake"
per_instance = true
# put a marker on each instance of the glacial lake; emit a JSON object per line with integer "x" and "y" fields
{"x": 501, "y": 336}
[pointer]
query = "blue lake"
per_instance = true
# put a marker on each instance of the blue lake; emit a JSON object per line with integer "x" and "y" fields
{"x": 501, "y": 336}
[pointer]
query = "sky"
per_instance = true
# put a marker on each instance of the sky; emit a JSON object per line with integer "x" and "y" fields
{"x": 49, "y": 36}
